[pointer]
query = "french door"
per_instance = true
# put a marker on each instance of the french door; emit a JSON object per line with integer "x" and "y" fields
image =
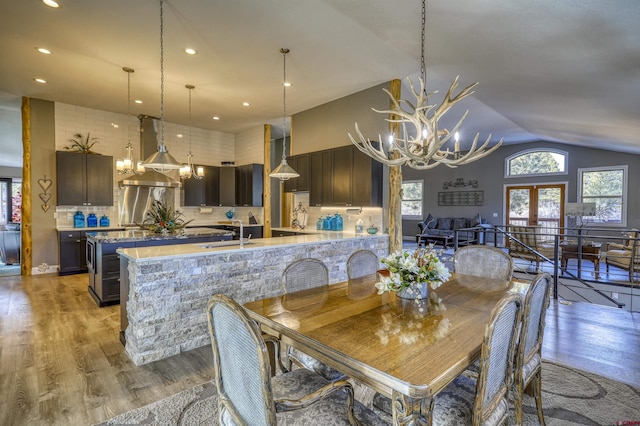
{"x": 541, "y": 205}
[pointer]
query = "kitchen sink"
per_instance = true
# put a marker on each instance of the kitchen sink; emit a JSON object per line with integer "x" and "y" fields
{"x": 224, "y": 244}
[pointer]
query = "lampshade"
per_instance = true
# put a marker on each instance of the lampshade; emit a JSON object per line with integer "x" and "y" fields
{"x": 284, "y": 171}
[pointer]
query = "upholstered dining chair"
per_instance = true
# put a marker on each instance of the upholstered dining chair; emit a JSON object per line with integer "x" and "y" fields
{"x": 304, "y": 274}
{"x": 481, "y": 401}
{"x": 528, "y": 364}
{"x": 362, "y": 263}
{"x": 483, "y": 261}
{"x": 249, "y": 395}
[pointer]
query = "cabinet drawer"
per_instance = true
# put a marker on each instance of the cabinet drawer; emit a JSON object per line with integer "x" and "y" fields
{"x": 111, "y": 265}
{"x": 111, "y": 289}
{"x": 71, "y": 235}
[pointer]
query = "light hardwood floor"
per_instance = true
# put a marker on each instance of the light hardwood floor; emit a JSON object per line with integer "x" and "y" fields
{"x": 61, "y": 362}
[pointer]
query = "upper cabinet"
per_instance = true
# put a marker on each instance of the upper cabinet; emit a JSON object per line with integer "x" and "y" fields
{"x": 249, "y": 185}
{"x": 299, "y": 163}
{"x": 227, "y": 186}
{"x": 84, "y": 179}
{"x": 205, "y": 191}
{"x": 344, "y": 176}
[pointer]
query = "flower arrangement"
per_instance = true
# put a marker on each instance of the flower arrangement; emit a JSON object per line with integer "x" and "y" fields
{"x": 163, "y": 219}
{"x": 408, "y": 269}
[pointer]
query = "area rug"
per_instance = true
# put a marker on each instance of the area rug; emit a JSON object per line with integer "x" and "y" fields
{"x": 570, "y": 397}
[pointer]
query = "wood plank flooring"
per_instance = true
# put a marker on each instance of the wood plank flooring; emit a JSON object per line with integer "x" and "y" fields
{"x": 61, "y": 362}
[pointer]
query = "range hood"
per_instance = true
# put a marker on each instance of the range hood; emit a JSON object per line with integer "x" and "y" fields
{"x": 149, "y": 147}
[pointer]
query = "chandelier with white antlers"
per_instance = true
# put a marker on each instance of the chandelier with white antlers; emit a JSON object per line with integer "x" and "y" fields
{"x": 420, "y": 144}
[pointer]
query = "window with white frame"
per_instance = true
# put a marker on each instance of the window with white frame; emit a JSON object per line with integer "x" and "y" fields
{"x": 412, "y": 199}
{"x": 607, "y": 188}
{"x": 536, "y": 162}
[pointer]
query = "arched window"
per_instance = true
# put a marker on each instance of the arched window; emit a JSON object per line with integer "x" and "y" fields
{"x": 536, "y": 162}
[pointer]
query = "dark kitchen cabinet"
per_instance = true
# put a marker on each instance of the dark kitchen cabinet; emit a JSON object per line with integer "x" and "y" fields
{"x": 227, "y": 186}
{"x": 320, "y": 181}
{"x": 84, "y": 179}
{"x": 344, "y": 177}
{"x": 249, "y": 185}
{"x": 301, "y": 164}
{"x": 72, "y": 252}
{"x": 205, "y": 191}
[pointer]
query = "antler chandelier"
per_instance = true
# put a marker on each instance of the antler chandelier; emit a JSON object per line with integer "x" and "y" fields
{"x": 420, "y": 144}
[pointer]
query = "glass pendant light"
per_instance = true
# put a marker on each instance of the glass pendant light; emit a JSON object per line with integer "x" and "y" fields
{"x": 189, "y": 170}
{"x": 125, "y": 165}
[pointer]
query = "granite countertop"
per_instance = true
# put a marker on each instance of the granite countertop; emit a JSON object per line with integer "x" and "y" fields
{"x": 190, "y": 250}
{"x": 132, "y": 235}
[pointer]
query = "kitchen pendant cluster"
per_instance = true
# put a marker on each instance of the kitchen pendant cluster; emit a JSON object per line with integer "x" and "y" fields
{"x": 284, "y": 171}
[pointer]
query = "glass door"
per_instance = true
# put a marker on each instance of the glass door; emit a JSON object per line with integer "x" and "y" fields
{"x": 541, "y": 205}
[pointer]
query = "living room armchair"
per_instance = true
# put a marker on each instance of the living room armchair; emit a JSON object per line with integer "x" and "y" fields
{"x": 625, "y": 256}
{"x": 529, "y": 244}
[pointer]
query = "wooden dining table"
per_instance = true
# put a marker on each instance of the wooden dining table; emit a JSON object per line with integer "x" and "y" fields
{"x": 406, "y": 350}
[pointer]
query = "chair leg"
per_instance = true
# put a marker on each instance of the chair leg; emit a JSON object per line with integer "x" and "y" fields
{"x": 537, "y": 390}
{"x": 518, "y": 401}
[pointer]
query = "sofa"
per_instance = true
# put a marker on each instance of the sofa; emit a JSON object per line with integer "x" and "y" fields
{"x": 451, "y": 231}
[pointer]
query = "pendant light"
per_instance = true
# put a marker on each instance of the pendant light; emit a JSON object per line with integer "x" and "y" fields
{"x": 284, "y": 171}
{"x": 189, "y": 170}
{"x": 161, "y": 161}
{"x": 125, "y": 165}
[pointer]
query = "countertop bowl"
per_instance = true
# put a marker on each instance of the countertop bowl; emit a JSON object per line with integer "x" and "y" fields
{"x": 372, "y": 230}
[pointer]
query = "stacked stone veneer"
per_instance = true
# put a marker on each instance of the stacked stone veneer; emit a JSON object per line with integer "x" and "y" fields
{"x": 166, "y": 308}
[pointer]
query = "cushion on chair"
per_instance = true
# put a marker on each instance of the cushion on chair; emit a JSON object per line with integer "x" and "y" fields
{"x": 475, "y": 221}
{"x": 459, "y": 223}
{"x": 444, "y": 223}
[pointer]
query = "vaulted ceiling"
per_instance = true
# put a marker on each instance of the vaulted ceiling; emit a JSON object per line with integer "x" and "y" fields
{"x": 564, "y": 71}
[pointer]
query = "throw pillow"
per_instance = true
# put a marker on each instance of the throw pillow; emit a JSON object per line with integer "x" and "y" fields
{"x": 459, "y": 223}
{"x": 475, "y": 221}
{"x": 444, "y": 223}
{"x": 431, "y": 222}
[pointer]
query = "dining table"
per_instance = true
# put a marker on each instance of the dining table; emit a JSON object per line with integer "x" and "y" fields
{"x": 408, "y": 350}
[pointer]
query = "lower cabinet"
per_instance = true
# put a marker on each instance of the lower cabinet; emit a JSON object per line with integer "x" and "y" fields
{"x": 72, "y": 256}
{"x": 104, "y": 273}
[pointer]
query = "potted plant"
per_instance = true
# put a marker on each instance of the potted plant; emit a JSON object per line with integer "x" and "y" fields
{"x": 82, "y": 144}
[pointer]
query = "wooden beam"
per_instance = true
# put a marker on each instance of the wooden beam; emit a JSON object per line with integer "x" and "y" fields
{"x": 395, "y": 181}
{"x": 26, "y": 250}
{"x": 266, "y": 197}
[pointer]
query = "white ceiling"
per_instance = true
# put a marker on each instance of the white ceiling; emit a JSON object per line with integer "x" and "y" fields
{"x": 565, "y": 71}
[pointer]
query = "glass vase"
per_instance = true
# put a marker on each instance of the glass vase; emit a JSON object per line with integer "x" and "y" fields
{"x": 415, "y": 291}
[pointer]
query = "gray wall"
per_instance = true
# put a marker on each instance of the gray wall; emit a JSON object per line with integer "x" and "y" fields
{"x": 328, "y": 125}
{"x": 43, "y": 225}
{"x": 489, "y": 172}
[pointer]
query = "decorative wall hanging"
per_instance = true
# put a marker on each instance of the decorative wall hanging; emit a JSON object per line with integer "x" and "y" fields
{"x": 45, "y": 184}
{"x": 461, "y": 198}
{"x": 460, "y": 183}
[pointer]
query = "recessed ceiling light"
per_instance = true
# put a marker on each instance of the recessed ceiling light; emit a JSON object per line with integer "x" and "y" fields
{"x": 215, "y": 117}
{"x": 246, "y": 104}
{"x": 43, "y": 50}
{"x": 40, "y": 80}
{"x": 179, "y": 135}
{"x": 190, "y": 51}
{"x": 51, "y": 3}
{"x": 138, "y": 101}
{"x": 286, "y": 84}
{"x": 115, "y": 125}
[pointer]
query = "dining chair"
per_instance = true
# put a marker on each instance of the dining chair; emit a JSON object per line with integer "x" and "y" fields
{"x": 249, "y": 395}
{"x": 362, "y": 263}
{"x": 304, "y": 274}
{"x": 528, "y": 364}
{"x": 483, "y": 261}
{"x": 481, "y": 401}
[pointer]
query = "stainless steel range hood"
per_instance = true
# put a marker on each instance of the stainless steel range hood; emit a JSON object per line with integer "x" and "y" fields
{"x": 148, "y": 147}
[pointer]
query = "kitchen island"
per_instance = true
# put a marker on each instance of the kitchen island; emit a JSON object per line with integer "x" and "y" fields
{"x": 165, "y": 289}
{"x": 103, "y": 264}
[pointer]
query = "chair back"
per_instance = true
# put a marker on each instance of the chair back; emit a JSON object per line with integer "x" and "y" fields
{"x": 241, "y": 365}
{"x": 496, "y": 360}
{"x": 483, "y": 261}
{"x": 535, "y": 305}
{"x": 362, "y": 263}
{"x": 304, "y": 274}
{"x": 527, "y": 235}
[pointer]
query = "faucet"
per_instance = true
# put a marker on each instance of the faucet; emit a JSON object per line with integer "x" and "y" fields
{"x": 241, "y": 231}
